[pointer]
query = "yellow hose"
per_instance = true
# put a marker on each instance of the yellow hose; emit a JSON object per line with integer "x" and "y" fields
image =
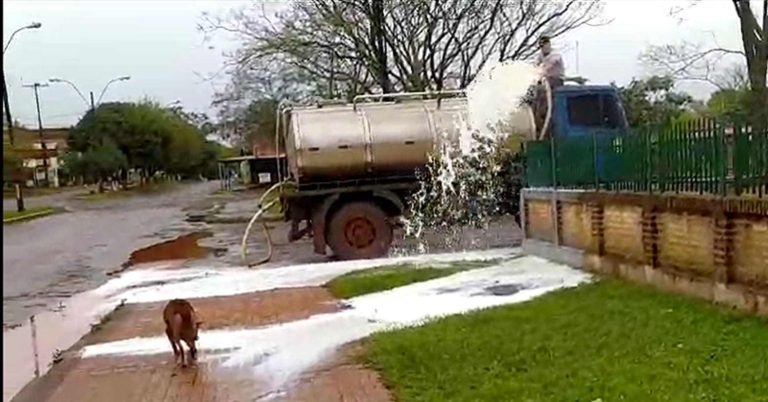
{"x": 262, "y": 209}
{"x": 548, "y": 117}
{"x": 266, "y": 234}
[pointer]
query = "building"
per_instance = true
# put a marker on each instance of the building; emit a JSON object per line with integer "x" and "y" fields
{"x": 28, "y": 147}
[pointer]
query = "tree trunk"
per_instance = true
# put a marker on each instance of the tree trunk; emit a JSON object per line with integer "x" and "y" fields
{"x": 379, "y": 45}
{"x": 756, "y": 53}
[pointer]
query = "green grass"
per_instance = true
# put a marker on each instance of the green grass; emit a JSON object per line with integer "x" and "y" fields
{"x": 27, "y": 214}
{"x": 384, "y": 278}
{"x": 608, "y": 341}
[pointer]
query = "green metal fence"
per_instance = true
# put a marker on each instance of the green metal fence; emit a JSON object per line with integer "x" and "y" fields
{"x": 694, "y": 157}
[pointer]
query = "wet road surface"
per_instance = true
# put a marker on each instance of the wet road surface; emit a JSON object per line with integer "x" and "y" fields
{"x": 46, "y": 260}
{"x": 50, "y": 200}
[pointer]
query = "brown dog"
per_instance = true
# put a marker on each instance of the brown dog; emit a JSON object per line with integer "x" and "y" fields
{"x": 181, "y": 324}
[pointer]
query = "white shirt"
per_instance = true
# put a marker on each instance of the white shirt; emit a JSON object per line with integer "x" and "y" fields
{"x": 552, "y": 65}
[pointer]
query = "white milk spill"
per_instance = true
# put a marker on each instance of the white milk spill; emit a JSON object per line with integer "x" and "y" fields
{"x": 60, "y": 330}
{"x": 278, "y": 354}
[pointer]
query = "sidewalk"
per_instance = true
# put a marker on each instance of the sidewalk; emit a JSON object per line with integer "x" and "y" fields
{"x": 156, "y": 377}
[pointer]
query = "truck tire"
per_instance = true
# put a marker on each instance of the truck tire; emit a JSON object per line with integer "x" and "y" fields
{"x": 359, "y": 230}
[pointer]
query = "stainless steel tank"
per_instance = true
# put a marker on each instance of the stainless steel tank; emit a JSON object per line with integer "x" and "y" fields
{"x": 365, "y": 140}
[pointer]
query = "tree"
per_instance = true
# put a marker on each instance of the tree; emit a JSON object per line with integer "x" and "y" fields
{"x": 730, "y": 106}
{"x": 343, "y": 48}
{"x": 698, "y": 62}
{"x": 98, "y": 163}
{"x": 150, "y": 138}
{"x": 653, "y": 101}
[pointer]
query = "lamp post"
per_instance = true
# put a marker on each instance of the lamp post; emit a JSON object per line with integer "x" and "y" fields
{"x": 6, "y": 102}
{"x": 7, "y": 107}
{"x": 33, "y": 25}
{"x": 103, "y": 91}
{"x": 57, "y": 80}
{"x": 92, "y": 103}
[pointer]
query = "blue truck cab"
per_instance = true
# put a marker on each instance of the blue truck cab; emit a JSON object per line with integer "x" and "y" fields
{"x": 584, "y": 110}
{"x": 586, "y": 135}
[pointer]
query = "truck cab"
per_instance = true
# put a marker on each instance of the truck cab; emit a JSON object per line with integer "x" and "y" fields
{"x": 583, "y": 110}
{"x": 580, "y": 112}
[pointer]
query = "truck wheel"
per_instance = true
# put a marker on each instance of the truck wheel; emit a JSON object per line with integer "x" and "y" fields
{"x": 359, "y": 230}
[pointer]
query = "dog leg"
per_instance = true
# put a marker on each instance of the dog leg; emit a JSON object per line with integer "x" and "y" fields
{"x": 192, "y": 351}
{"x": 181, "y": 350}
{"x": 173, "y": 345}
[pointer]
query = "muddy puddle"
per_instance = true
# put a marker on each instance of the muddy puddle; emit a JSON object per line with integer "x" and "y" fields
{"x": 184, "y": 247}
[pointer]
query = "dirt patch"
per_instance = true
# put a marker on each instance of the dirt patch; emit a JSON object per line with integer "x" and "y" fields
{"x": 341, "y": 378}
{"x": 246, "y": 310}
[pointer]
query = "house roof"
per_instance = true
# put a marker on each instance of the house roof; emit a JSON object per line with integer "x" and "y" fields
{"x": 25, "y": 137}
{"x": 30, "y": 153}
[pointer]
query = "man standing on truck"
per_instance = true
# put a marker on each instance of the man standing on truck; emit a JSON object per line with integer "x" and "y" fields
{"x": 552, "y": 69}
{"x": 550, "y": 63}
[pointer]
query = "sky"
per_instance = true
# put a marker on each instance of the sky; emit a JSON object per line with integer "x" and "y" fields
{"x": 156, "y": 43}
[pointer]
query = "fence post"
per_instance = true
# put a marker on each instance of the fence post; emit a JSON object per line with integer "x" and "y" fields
{"x": 33, "y": 327}
{"x": 554, "y": 204}
{"x": 594, "y": 162}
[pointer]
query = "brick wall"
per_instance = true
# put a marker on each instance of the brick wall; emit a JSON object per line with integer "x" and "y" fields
{"x": 750, "y": 257}
{"x": 539, "y": 223}
{"x": 686, "y": 242}
{"x": 711, "y": 248}
{"x": 576, "y": 224}
{"x": 624, "y": 231}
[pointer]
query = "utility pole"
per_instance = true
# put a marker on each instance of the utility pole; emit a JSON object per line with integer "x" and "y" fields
{"x": 93, "y": 105}
{"x": 36, "y": 86}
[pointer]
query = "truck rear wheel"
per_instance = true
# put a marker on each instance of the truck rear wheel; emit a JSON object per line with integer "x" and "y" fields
{"x": 359, "y": 230}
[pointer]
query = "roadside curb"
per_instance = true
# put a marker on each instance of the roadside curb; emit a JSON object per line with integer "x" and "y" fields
{"x": 39, "y": 214}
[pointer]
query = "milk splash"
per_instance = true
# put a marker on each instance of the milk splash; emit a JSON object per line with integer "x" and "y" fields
{"x": 476, "y": 176}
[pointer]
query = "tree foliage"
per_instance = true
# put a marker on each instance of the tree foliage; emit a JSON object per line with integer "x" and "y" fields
{"x": 696, "y": 61}
{"x": 141, "y": 136}
{"x": 342, "y": 48}
{"x": 730, "y": 106}
{"x": 653, "y": 101}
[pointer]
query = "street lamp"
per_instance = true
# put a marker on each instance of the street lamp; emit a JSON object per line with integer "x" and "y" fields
{"x": 55, "y": 80}
{"x": 124, "y": 78}
{"x": 33, "y": 25}
{"x": 92, "y": 104}
{"x": 6, "y": 102}
{"x": 7, "y": 107}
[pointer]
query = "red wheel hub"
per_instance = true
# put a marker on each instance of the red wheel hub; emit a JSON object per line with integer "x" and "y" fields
{"x": 359, "y": 233}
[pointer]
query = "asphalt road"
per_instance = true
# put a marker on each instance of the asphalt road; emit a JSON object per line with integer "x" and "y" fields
{"x": 57, "y": 199}
{"x": 48, "y": 259}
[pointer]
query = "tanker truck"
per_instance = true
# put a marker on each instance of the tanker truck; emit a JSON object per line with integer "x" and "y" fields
{"x": 353, "y": 166}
